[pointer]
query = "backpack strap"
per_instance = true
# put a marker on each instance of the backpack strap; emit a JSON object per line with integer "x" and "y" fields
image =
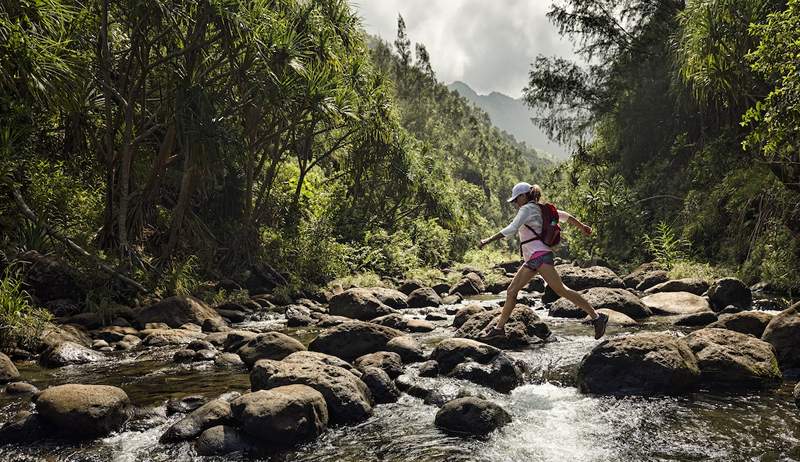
{"x": 537, "y": 238}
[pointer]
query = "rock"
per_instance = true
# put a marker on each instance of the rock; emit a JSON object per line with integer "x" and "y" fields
{"x": 537, "y": 284}
{"x": 410, "y": 285}
{"x": 619, "y": 300}
{"x": 8, "y": 371}
{"x": 213, "y": 413}
{"x": 407, "y": 347}
{"x": 47, "y": 278}
{"x": 228, "y": 360}
{"x": 640, "y": 273}
{"x": 451, "y": 299}
{"x": 498, "y": 286}
{"x": 54, "y": 335}
{"x": 522, "y": 329}
{"x": 452, "y": 351}
{"x": 21, "y": 388}
{"x": 236, "y": 339}
{"x": 733, "y": 359}
{"x": 156, "y": 326}
{"x": 429, "y": 369}
{"x": 25, "y": 427}
{"x": 729, "y": 291}
{"x": 352, "y": 339}
{"x": 361, "y": 304}
{"x": 68, "y": 353}
{"x": 746, "y": 322}
{"x": 271, "y": 345}
{"x": 298, "y": 315}
{"x": 471, "y": 416}
{"x": 129, "y": 342}
{"x": 164, "y": 337}
{"x": 577, "y": 278}
{"x": 380, "y": 385}
{"x": 470, "y": 284}
{"x": 322, "y": 358}
{"x": 205, "y": 355}
{"x": 615, "y": 318}
{"x": 185, "y": 404}
{"x": 702, "y": 318}
{"x": 500, "y": 374}
{"x": 424, "y": 297}
{"x": 176, "y": 311}
{"x": 89, "y": 320}
{"x": 390, "y": 297}
{"x": 282, "y": 416}
{"x": 783, "y": 333}
{"x": 221, "y": 440}
{"x": 642, "y": 363}
{"x": 114, "y": 333}
{"x": 652, "y": 279}
{"x": 797, "y": 395}
{"x": 692, "y": 285}
{"x": 197, "y": 345}
{"x": 465, "y": 313}
{"x": 399, "y": 322}
{"x": 347, "y": 397}
{"x": 214, "y": 325}
{"x": 435, "y": 317}
{"x": 384, "y": 360}
{"x": 83, "y": 411}
{"x": 232, "y": 316}
{"x": 676, "y": 303}
{"x": 183, "y": 356}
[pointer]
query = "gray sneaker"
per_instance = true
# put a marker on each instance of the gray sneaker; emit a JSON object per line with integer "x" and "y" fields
{"x": 600, "y": 325}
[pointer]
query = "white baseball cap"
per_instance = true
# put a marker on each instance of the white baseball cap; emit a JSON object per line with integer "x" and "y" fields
{"x": 519, "y": 188}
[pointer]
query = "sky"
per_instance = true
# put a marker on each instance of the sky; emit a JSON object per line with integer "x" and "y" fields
{"x": 489, "y": 44}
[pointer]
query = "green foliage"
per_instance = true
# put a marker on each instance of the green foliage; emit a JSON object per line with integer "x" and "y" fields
{"x": 20, "y": 323}
{"x": 665, "y": 246}
{"x": 179, "y": 278}
{"x": 682, "y": 269}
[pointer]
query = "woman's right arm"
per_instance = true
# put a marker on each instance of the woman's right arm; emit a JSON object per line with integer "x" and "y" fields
{"x": 523, "y": 215}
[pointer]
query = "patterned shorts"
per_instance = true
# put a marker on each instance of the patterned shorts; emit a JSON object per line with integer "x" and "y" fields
{"x": 544, "y": 259}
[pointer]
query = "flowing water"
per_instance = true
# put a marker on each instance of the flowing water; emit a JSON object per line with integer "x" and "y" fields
{"x": 552, "y": 421}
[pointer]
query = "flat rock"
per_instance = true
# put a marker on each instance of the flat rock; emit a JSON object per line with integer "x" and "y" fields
{"x": 676, "y": 303}
{"x": 407, "y": 347}
{"x": 733, "y": 359}
{"x": 391, "y": 363}
{"x": 68, "y": 353}
{"x": 270, "y": 345}
{"x": 465, "y": 313}
{"x": 700, "y": 319}
{"x": 352, "y": 339}
{"x": 523, "y": 328}
{"x": 390, "y": 297}
{"x": 691, "y": 285}
{"x": 177, "y": 311}
{"x": 619, "y": 300}
{"x": 164, "y": 337}
{"x": 360, "y": 304}
{"x": 746, "y": 322}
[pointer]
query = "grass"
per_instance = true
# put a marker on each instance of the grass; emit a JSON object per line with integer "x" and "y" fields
{"x": 690, "y": 269}
{"x": 21, "y": 324}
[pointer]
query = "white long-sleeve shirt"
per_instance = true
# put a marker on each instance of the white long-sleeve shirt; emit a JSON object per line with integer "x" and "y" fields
{"x": 531, "y": 215}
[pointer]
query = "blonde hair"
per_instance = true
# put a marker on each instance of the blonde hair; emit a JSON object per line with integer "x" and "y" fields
{"x": 535, "y": 194}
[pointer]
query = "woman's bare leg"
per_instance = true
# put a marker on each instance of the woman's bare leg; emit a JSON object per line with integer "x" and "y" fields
{"x": 521, "y": 279}
{"x": 553, "y": 280}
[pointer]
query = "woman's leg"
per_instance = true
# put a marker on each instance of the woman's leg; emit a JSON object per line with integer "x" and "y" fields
{"x": 521, "y": 279}
{"x": 553, "y": 280}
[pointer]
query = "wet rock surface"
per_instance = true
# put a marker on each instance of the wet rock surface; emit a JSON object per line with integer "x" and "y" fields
{"x": 83, "y": 411}
{"x": 471, "y": 416}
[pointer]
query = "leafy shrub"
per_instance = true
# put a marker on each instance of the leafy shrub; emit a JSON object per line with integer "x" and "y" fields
{"x": 20, "y": 323}
{"x": 180, "y": 278}
{"x": 665, "y": 246}
{"x": 431, "y": 240}
{"x": 387, "y": 254}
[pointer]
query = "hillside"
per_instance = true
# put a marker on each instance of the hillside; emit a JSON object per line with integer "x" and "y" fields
{"x": 513, "y": 116}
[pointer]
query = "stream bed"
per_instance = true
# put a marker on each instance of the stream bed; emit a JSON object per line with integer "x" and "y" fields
{"x": 552, "y": 421}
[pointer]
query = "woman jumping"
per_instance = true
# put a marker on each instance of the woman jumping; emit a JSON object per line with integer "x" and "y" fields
{"x": 538, "y": 257}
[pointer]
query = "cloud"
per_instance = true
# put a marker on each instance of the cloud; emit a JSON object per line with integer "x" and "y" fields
{"x": 488, "y": 45}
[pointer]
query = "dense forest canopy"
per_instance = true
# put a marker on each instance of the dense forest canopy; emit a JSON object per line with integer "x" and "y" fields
{"x": 685, "y": 124}
{"x": 210, "y": 136}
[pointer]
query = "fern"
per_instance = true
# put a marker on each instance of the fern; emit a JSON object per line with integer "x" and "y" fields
{"x": 665, "y": 246}
{"x": 21, "y": 324}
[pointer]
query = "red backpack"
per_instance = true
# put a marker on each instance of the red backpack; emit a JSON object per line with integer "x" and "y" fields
{"x": 551, "y": 231}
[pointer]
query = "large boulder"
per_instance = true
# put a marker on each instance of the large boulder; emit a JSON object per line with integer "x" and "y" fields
{"x": 410, "y": 285}
{"x": 282, "y": 416}
{"x": 500, "y": 374}
{"x": 348, "y": 398}
{"x": 465, "y": 313}
{"x": 83, "y": 411}
{"x": 676, "y": 303}
{"x": 423, "y": 297}
{"x": 733, "y": 359}
{"x": 314, "y": 356}
{"x": 400, "y": 322}
{"x": 407, "y": 347}
{"x": 577, "y": 278}
{"x": 54, "y": 335}
{"x": 350, "y": 340}
{"x": 270, "y": 345}
{"x": 470, "y": 284}
{"x": 380, "y": 385}
{"x": 746, "y": 322}
{"x": 783, "y": 333}
{"x": 619, "y": 300}
{"x": 177, "y": 311}
{"x": 213, "y": 413}
{"x": 729, "y": 291}
{"x": 69, "y": 353}
{"x": 8, "y": 371}
{"x": 471, "y": 416}
{"x": 167, "y": 337}
{"x": 701, "y": 319}
{"x": 523, "y": 328}
{"x": 390, "y": 297}
{"x": 357, "y": 303}
{"x": 643, "y": 363}
{"x": 651, "y": 279}
{"x": 615, "y": 318}
{"x": 691, "y": 285}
